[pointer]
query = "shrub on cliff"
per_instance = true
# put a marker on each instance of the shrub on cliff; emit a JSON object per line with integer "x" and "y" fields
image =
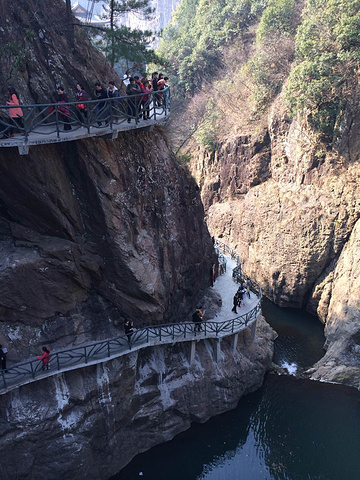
{"x": 328, "y": 57}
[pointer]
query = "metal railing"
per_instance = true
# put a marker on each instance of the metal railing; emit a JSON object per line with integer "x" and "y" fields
{"x": 96, "y": 352}
{"x": 49, "y": 118}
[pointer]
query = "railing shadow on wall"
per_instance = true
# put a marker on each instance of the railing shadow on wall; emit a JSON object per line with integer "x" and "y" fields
{"x": 96, "y": 352}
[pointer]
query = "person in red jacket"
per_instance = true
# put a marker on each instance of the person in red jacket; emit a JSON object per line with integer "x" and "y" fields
{"x": 145, "y": 100}
{"x": 45, "y": 358}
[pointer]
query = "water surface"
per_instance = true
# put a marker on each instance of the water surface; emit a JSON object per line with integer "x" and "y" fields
{"x": 290, "y": 429}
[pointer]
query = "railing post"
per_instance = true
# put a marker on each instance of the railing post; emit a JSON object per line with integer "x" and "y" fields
{"x": 32, "y": 370}
{"x": 88, "y": 118}
{"x": 147, "y": 335}
{"x": 108, "y": 345}
{"x": 58, "y": 361}
{"x": 154, "y": 103}
{"x": 3, "y": 378}
{"x": 160, "y": 334}
{"x": 57, "y": 121}
{"x": 86, "y": 359}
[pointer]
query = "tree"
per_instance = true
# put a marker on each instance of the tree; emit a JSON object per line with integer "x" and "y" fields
{"x": 120, "y": 41}
{"x": 70, "y": 24}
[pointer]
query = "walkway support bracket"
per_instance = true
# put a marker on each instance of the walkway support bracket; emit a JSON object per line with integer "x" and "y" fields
{"x": 192, "y": 351}
{"x": 23, "y": 149}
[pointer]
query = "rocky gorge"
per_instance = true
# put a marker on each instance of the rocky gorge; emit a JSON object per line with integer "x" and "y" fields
{"x": 291, "y": 206}
{"x": 93, "y": 232}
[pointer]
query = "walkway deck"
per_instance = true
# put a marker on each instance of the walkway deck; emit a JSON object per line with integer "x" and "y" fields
{"x": 44, "y": 124}
{"x": 224, "y": 324}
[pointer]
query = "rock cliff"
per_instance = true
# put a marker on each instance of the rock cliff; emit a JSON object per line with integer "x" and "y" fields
{"x": 92, "y": 231}
{"x": 290, "y": 205}
{"x": 90, "y": 423}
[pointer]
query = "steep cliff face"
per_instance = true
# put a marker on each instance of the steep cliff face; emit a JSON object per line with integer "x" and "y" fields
{"x": 90, "y": 423}
{"x": 92, "y": 231}
{"x": 289, "y": 205}
{"x": 95, "y": 231}
{"x": 36, "y": 54}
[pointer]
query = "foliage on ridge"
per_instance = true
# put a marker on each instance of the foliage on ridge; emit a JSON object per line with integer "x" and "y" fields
{"x": 328, "y": 56}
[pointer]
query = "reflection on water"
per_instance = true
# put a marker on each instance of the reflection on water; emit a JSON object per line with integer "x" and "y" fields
{"x": 290, "y": 429}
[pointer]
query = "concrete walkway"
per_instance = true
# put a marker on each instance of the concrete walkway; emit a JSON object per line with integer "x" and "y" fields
{"x": 227, "y": 288}
{"x": 224, "y": 324}
{"x": 45, "y": 134}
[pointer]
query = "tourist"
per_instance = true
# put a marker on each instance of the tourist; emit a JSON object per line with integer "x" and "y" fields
{"x": 167, "y": 93}
{"x": 81, "y": 97}
{"x": 113, "y": 92}
{"x": 155, "y": 87}
{"x": 101, "y": 107}
{"x": 3, "y": 352}
{"x": 197, "y": 318}
{"x": 45, "y": 358}
{"x": 132, "y": 89}
{"x": 64, "y": 112}
{"x": 145, "y": 100}
{"x": 235, "y": 302}
{"x": 15, "y": 112}
{"x": 129, "y": 330}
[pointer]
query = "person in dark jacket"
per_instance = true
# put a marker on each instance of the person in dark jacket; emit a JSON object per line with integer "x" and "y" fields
{"x": 197, "y": 318}
{"x": 101, "y": 107}
{"x": 235, "y": 302}
{"x": 129, "y": 330}
{"x": 155, "y": 79}
{"x": 132, "y": 89}
{"x": 113, "y": 92}
{"x": 81, "y": 109}
{"x": 45, "y": 358}
{"x": 64, "y": 112}
{"x": 3, "y": 352}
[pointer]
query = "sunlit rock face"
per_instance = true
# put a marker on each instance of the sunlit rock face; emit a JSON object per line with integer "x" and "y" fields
{"x": 92, "y": 422}
{"x": 290, "y": 205}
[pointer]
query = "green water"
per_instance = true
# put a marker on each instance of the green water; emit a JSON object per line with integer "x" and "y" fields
{"x": 290, "y": 429}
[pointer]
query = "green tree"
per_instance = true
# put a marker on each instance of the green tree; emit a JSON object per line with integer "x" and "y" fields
{"x": 119, "y": 41}
{"x": 328, "y": 58}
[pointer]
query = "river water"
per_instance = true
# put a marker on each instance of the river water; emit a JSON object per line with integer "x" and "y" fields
{"x": 290, "y": 429}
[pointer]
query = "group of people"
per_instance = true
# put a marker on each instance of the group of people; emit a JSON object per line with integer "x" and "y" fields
{"x": 244, "y": 289}
{"x": 136, "y": 106}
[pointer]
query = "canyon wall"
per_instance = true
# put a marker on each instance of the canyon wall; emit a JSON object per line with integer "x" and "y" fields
{"x": 93, "y": 232}
{"x": 290, "y": 206}
{"x": 90, "y": 423}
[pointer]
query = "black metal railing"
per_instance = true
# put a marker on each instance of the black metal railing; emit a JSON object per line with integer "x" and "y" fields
{"x": 47, "y": 119}
{"x": 95, "y": 352}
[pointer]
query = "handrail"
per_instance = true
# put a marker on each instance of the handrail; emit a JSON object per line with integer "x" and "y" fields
{"x": 46, "y": 119}
{"x": 96, "y": 352}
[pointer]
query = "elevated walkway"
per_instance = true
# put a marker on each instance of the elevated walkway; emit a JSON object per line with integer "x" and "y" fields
{"x": 47, "y": 123}
{"x": 225, "y": 324}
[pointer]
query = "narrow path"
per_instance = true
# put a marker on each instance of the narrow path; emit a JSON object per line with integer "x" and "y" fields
{"x": 224, "y": 324}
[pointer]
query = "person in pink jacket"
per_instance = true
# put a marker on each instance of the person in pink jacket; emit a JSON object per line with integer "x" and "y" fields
{"x": 15, "y": 112}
